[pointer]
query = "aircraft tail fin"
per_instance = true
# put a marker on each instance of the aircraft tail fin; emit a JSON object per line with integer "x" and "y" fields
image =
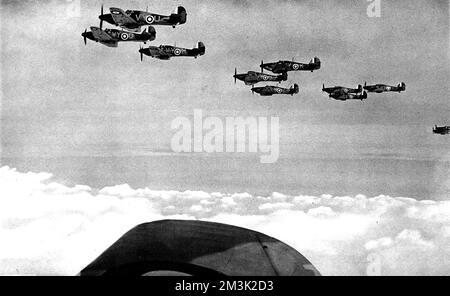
{"x": 317, "y": 62}
{"x": 360, "y": 88}
{"x": 182, "y": 14}
{"x": 151, "y": 32}
{"x": 403, "y": 86}
{"x": 295, "y": 89}
{"x": 284, "y": 76}
{"x": 201, "y": 48}
{"x": 364, "y": 95}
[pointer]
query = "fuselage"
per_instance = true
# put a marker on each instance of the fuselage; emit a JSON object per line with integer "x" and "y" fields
{"x": 252, "y": 77}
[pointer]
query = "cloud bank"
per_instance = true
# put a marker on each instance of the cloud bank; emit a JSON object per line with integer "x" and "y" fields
{"x": 47, "y": 228}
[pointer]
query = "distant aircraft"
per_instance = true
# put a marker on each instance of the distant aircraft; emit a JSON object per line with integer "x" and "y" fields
{"x": 379, "y": 88}
{"x": 111, "y": 37}
{"x": 341, "y": 90}
{"x": 442, "y": 130}
{"x": 269, "y": 90}
{"x": 285, "y": 66}
{"x": 165, "y": 52}
{"x": 135, "y": 19}
{"x": 252, "y": 77}
{"x": 348, "y": 96}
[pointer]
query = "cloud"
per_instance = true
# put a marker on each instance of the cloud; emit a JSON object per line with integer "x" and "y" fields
{"x": 48, "y": 228}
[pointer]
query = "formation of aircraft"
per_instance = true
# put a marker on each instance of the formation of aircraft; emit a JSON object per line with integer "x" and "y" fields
{"x": 441, "y": 130}
{"x": 342, "y": 93}
{"x": 281, "y": 68}
{"x": 131, "y": 23}
{"x": 270, "y": 90}
{"x": 111, "y": 37}
{"x": 252, "y": 77}
{"x": 165, "y": 52}
{"x": 135, "y": 19}
{"x": 285, "y": 66}
{"x": 379, "y": 88}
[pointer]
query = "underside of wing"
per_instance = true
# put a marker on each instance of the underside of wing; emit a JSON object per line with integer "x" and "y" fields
{"x": 110, "y": 44}
{"x": 121, "y": 18}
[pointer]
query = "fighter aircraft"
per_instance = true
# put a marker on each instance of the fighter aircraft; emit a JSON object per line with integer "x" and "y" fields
{"x": 342, "y": 96}
{"x": 285, "y": 66}
{"x": 379, "y": 88}
{"x": 442, "y": 130}
{"x": 165, "y": 52}
{"x": 252, "y": 77}
{"x": 111, "y": 37}
{"x": 341, "y": 90}
{"x": 135, "y": 19}
{"x": 269, "y": 90}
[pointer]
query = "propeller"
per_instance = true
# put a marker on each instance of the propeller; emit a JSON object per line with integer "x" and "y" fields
{"x": 235, "y": 73}
{"x": 101, "y": 19}
{"x": 140, "y": 51}
{"x": 261, "y": 66}
{"x": 84, "y": 36}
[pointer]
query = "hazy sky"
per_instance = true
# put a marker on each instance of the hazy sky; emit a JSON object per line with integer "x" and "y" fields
{"x": 61, "y": 98}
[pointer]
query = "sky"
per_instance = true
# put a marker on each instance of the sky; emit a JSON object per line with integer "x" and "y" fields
{"x": 95, "y": 116}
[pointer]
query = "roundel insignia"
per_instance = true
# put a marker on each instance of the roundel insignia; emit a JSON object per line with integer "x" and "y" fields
{"x": 149, "y": 19}
{"x": 265, "y": 78}
{"x": 124, "y": 36}
{"x": 295, "y": 66}
{"x": 177, "y": 51}
{"x": 279, "y": 90}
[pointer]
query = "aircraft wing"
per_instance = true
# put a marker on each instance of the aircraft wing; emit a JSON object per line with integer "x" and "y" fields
{"x": 121, "y": 18}
{"x": 110, "y": 44}
{"x": 338, "y": 91}
{"x": 101, "y": 35}
{"x": 159, "y": 53}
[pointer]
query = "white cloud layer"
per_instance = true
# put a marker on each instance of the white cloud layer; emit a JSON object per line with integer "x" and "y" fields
{"x": 48, "y": 228}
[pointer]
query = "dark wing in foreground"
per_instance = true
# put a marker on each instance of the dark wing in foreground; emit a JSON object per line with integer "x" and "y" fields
{"x": 198, "y": 248}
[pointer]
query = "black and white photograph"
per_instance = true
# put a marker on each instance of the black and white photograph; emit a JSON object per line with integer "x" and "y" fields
{"x": 224, "y": 138}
